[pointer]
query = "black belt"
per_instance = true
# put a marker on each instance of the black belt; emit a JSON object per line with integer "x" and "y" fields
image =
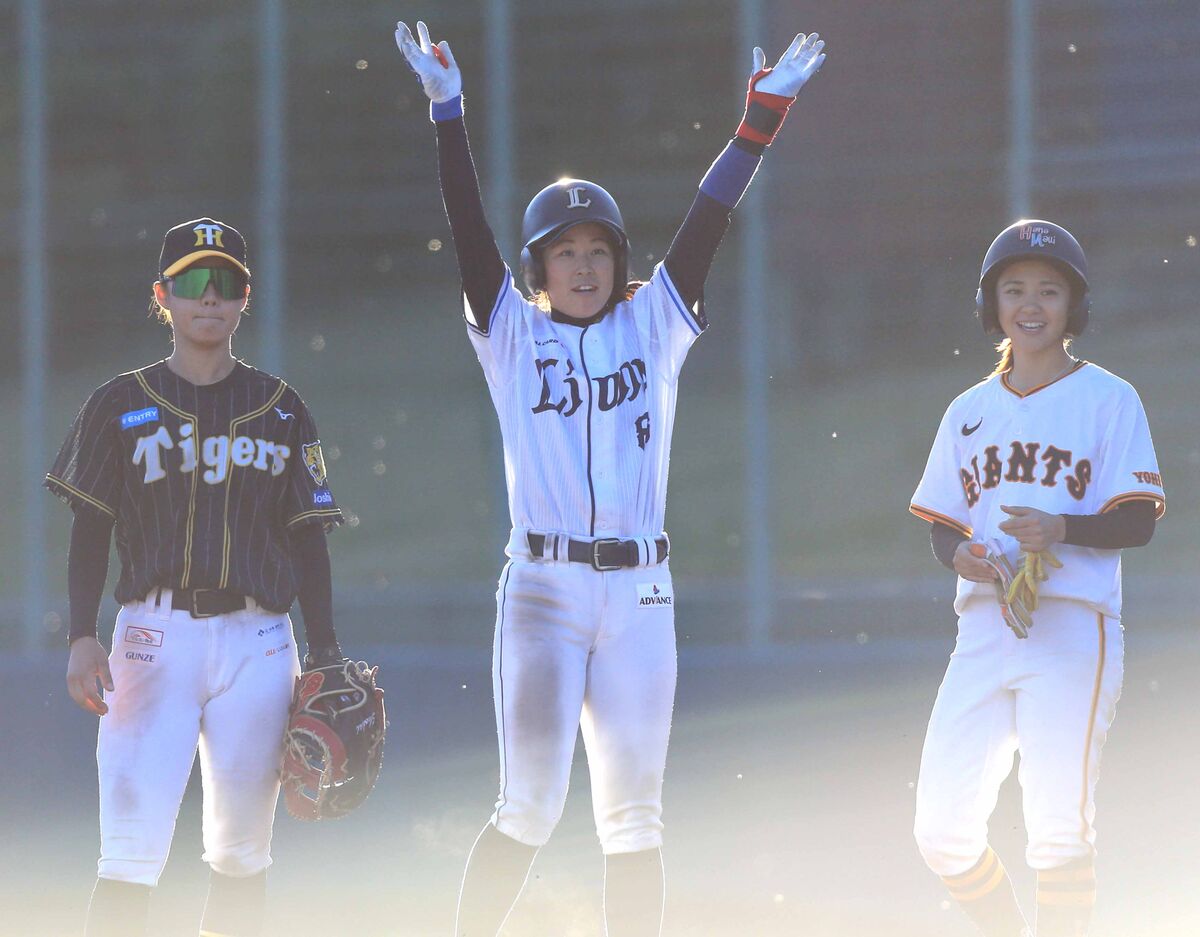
{"x": 205, "y": 603}
{"x": 601, "y": 555}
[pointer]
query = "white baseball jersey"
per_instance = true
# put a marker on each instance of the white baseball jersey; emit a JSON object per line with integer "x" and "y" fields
{"x": 1078, "y": 445}
{"x": 586, "y": 413}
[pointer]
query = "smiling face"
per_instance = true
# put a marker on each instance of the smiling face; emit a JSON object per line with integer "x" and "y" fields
{"x": 580, "y": 266}
{"x": 1033, "y": 302}
{"x": 208, "y": 321}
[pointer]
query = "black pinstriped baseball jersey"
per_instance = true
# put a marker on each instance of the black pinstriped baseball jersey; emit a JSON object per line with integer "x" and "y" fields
{"x": 203, "y": 482}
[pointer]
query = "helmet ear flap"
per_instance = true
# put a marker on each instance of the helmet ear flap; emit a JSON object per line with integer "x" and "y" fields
{"x": 532, "y": 269}
{"x": 985, "y": 311}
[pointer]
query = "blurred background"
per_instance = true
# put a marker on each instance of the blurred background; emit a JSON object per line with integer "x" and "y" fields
{"x": 813, "y": 622}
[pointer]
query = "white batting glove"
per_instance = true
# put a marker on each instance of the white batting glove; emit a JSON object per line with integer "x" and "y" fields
{"x": 798, "y": 64}
{"x": 434, "y": 64}
{"x": 772, "y": 91}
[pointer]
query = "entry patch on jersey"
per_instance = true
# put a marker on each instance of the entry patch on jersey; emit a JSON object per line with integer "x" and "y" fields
{"x": 322, "y": 496}
{"x": 139, "y": 417}
{"x": 147, "y": 636}
{"x": 651, "y": 593}
{"x": 315, "y": 461}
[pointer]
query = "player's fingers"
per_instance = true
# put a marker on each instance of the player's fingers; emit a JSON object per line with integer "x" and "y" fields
{"x": 445, "y": 47}
{"x": 405, "y": 41}
{"x": 1016, "y": 512}
{"x": 759, "y": 61}
{"x": 423, "y": 35}
{"x": 792, "y": 50}
{"x": 977, "y": 550}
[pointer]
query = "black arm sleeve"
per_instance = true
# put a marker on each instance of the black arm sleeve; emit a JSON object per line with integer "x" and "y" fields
{"x": 1128, "y": 525}
{"x": 311, "y": 552}
{"x": 695, "y": 244}
{"x": 87, "y": 569}
{"x": 945, "y": 540}
{"x": 479, "y": 262}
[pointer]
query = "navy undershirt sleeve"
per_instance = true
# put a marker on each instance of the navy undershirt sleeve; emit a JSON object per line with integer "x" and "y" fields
{"x": 695, "y": 244}
{"x": 310, "y": 553}
{"x": 479, "y": 262}
{"x": 87, "y": 570}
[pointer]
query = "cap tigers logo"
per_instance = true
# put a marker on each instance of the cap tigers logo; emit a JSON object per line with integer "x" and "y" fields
{"x": 208, "y": 234}
{"x": 314, "y": 460}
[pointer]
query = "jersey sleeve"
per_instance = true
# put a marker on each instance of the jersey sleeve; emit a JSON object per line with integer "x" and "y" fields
{"x": 1128, "y": 470}
{"x": 939, "y": 496}
{"x": 87, "y": 474}
{"x": 307, "y": 498}
{"x": 670, "y": 324}
{"x": 495, "y": 332}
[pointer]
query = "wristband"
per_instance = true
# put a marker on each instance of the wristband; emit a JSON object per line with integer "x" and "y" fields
{"x": 764, "y": 112}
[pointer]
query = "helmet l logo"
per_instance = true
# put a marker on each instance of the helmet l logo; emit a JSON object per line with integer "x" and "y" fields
{"x": 575, "y": 197}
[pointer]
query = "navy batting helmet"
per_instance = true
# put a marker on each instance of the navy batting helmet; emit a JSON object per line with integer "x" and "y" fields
{"x": 1038, "y": 240}
{"x": 559, "y": 206}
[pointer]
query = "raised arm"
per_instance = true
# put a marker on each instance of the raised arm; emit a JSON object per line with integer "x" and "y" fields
{"x": 771, "y": 92}
{"x": 479, "y": 262}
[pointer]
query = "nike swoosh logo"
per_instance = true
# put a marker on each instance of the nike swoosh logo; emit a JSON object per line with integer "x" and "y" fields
{"x": 968, "y": 430}
{"x": 285, "y": 416}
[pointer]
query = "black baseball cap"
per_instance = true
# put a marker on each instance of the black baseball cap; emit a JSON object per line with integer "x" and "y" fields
{"x": 186, "y": 243}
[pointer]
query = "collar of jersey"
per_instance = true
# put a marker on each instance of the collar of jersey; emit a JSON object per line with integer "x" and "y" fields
{"x": 1033, "y": 390}
{"x": 582, "y": 323}
{"x": 230, "y": 378}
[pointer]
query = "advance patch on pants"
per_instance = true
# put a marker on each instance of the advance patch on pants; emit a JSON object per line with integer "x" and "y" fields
{"x": 651, "y": 593}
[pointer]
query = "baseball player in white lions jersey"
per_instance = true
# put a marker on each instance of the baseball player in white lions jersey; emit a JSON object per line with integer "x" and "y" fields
{"x": 584, "y": 377}
{"x": 1048, "y": 460}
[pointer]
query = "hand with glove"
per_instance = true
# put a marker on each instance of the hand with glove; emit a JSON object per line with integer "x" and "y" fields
{"x": 433, "y": 64}
{"x": 772, "y": 90}
{"x": 333, "y": 747}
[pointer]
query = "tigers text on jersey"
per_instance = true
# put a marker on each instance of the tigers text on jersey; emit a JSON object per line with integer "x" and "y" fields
{"x": 1078, "y": 445}
{"x": 203, "y": 481}
{"x": 586, "y": 413}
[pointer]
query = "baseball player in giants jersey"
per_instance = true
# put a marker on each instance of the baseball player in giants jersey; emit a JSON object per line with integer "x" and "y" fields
{"x": 584, "y": 377}
{"x": 1049, "y": 453}
{"x": 211, "y": 474}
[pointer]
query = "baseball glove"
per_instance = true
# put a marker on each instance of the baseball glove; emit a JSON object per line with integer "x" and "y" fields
{"x": 333, "y": 748}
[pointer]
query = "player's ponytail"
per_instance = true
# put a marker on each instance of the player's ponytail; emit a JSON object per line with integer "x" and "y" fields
{"x": 1005, "y": 363}
{"x": 1005, "y": 351}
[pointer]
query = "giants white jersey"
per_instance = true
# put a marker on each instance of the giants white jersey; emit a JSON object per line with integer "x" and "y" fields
{"x": 1079, "y": 445}
{"x": 586, "y": 413}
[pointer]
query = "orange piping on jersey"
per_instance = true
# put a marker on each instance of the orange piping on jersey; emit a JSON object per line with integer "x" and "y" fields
{"x": 191, "y": 515}
{"x": 82, "y": 495}
{"x": 1091, "y": 726}
{"x": 233, "y": 424}
{"x": 927, "y": 515}
{"x": 1033, "y": 390}
{"x": 1160, "y": 504}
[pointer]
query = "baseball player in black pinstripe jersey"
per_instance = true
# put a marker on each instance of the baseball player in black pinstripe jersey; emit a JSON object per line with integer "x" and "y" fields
{"x": 210, "y": 473}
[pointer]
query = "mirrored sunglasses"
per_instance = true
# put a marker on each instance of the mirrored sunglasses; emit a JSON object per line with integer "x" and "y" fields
{"x": 192, "y": 282}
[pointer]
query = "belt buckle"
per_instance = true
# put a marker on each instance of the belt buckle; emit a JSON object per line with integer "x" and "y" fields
{"x": 195, "y": 612}
{"x": 596, "y": 565}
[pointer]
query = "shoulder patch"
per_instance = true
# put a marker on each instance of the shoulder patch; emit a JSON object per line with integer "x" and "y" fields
{"x": 314, "y": 461}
